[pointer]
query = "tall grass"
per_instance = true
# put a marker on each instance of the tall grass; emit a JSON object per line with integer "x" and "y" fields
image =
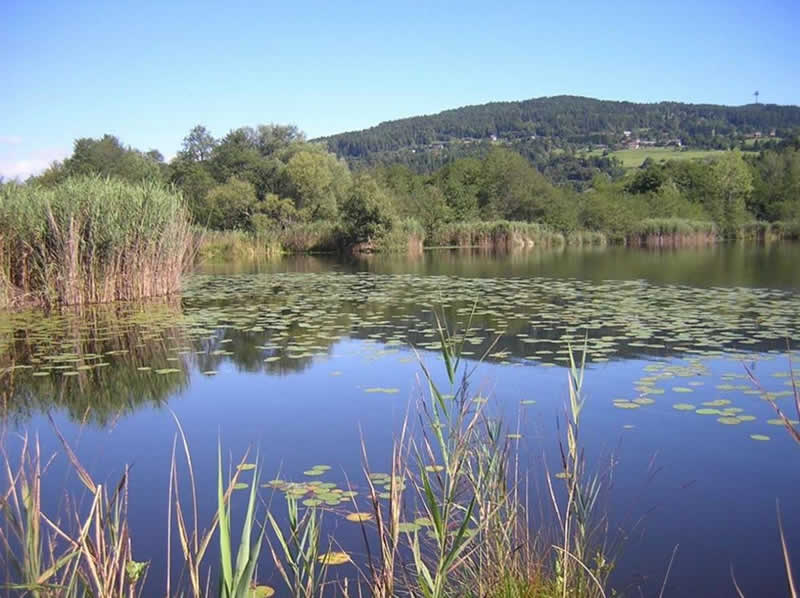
{"x": 91, "y": 240}
{"x": 672, "y": 232}
{"x": 406, "y": 235}
{"x": 235, "y": 244}
{"x": 85, "y": 556}
{"x": 500, "y": 234}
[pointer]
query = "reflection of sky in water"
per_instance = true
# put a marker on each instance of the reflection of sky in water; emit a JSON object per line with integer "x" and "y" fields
{"x": 712, "y": 488}
{"x": 706, "y": 486}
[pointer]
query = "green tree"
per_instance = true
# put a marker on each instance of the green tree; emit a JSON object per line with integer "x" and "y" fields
{"x": 731, "y": 185}
{"x": 229, "y": 206}
{"x": 314, "y": 179}
{"x": 197, "y": 145}
{"x": 366, "y": 212}
{"x": 512, "y": 189}
{"x": 106, "y": 157}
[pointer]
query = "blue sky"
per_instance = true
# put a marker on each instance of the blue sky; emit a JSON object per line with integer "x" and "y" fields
{"x": 149, "y": 71}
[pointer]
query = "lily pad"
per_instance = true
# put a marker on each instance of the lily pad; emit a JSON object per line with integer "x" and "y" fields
{"x": 334, "y": 558}
{"x": 359, "y": 517}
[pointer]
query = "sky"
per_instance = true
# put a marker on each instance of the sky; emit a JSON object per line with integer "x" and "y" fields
{"x": 149, "y": 71}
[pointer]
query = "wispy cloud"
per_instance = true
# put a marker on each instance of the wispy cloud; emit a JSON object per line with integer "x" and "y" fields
{"x": 22, "y": 166}
{"x": 10, "y": 139}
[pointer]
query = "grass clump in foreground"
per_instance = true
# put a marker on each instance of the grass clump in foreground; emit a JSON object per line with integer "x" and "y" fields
{"x": 91, "y": 240}
{"x": 451, "y": 522}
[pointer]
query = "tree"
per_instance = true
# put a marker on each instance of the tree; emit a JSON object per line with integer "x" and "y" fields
{"x": 197, "y": 145}
{"x": 311, "y": 176}
{"x": 512, "y": 189}
{"x": 109, "y": 157}
{"x": 366, "y": 212}
{"x": 229, "y": 206}
{"x": 194, "y": 180}
{"x": 731, "y": 186}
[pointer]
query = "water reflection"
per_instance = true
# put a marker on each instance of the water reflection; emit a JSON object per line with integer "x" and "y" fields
{"x": 106, "y": 361}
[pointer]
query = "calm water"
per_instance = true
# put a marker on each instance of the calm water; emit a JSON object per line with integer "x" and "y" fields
{"x": 302, "y": 358}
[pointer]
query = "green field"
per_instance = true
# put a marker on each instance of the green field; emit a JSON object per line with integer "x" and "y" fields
{"x": 633, "y": 158}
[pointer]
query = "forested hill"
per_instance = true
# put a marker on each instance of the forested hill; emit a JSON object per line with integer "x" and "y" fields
{"x": 571, "y": 122}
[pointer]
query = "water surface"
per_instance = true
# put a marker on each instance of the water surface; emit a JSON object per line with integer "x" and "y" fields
{"x": 302, "y": 358}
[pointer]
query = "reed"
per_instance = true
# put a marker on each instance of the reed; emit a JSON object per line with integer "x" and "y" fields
{"x": 91, "y": 240}
{"x": 672, "y": 232}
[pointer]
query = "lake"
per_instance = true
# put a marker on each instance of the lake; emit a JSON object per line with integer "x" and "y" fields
{"x": 302, "y": 359}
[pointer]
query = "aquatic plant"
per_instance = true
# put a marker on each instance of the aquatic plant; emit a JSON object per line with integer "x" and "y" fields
{"x": 88, "y": 555}
{"x": 91, "y": 240}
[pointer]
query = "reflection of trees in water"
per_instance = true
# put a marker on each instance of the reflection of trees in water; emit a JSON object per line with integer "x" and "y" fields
{"x": 105, "y": 346}
{"x": 279, "y": 324}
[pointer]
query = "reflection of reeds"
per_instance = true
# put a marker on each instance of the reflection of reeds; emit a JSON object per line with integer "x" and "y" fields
{"x": 126, "y": 338}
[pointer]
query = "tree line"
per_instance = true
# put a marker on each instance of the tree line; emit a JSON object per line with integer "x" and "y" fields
{"x": 269, "y": 179}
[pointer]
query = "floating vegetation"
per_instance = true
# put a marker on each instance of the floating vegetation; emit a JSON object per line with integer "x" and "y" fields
{"x": 334, "y": 558}
{"x": 359, "y": 517}
{"x": 776, "y": 421}
{"x": 759, "y": 437}
{"x": 626, "y": 404}
{"x": 388, "y": 391}
{"x": 708, "y": 411}
{"x": 729, "y": 420}
{"x": 684, "y": 407}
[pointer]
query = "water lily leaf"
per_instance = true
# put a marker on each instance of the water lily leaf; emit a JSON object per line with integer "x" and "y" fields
{"x": 359, "y": 517}
{"x": 334, "y": 558}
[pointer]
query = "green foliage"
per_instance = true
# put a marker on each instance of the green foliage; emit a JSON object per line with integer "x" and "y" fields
{"x": 317, "y": 179}
{"x": 229, "y": 206}
{"x": 366, "y": 211}
{"x": 731, "y": 185}
{"x": 106, "y": 157}
{"x": 562, "y": 122}
{"x": 91, "y": 240}
{"x": 236, "y": 577}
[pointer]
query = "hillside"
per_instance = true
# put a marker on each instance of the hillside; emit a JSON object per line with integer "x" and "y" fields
{"x": 563, "y": 123}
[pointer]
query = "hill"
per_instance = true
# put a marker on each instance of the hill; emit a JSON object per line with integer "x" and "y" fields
{"x": 563, "y": 123}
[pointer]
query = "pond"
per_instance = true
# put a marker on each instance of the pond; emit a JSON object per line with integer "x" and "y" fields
{"x": 302, "y": 359}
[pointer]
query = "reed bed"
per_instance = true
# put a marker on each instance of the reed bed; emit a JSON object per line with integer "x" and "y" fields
{"x": 759, "y": 230}
{"x": 234, "y": 244}
{"x": 500, "y": 234}
{"x": 91, "y": 240}
{"x": 672, "y": 232}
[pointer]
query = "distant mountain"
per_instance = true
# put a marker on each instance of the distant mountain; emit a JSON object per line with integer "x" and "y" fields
{"x": 565, "y": 122}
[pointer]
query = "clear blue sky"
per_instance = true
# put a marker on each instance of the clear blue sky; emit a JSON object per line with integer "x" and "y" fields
{"x": 148, "y": 71}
